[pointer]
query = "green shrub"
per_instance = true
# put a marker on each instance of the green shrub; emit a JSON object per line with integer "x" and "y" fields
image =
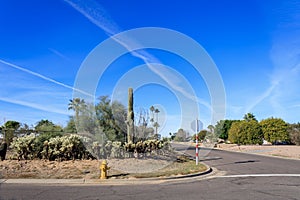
{"x": 245, "y": 132}
{"x": 275, "y": 130}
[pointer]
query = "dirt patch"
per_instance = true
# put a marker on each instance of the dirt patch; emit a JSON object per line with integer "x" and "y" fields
{"x": 49, "y": 169}
{"x": 284, "y": 151}
{"x": 90, "y": 169}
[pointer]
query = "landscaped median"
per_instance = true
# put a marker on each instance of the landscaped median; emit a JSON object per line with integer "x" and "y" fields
{"x": 89, "y": 169}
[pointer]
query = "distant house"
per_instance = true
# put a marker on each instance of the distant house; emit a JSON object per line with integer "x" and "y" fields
{"x": 265, "y": 142}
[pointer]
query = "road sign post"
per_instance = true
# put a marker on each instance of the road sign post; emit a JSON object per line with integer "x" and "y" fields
{"x": 197, "y": 150}
{"x": 195, "y": 127}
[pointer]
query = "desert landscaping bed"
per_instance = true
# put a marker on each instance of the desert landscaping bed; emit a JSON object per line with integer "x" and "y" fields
{"x": 89, "y": 169}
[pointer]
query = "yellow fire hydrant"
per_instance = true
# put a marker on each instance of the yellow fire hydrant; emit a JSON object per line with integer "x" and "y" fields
{"x": 104, "y": 168}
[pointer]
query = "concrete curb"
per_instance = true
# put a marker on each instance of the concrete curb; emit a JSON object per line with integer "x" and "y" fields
{"x": 42, "y": 181}
{"x": 209, "y": 170}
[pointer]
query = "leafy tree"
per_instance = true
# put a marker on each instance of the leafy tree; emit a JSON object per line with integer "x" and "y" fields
{"x": 88, "y": 122}
{"x": 46, "y": 129}
{"x": 103, "y": 121}
{"x": 275, "y": 130}
{"x": 45, "y": 125}
{"x": 25, "y": 129}
{"x": 181, "y": 135}
{"x": 249, "y": 116}
{"x": 245, "y": 132}
{"x": 143, "y": 133}
{"x": 10, "y": 129}
{"x": 294, "y": 133}
{"x": 201, "y": 135}
{"x": 222, "y": 128}
{"x": 235, "y": 133}
{"x": 71, "y": 126}
{"x": 254, "y": 132}
{"x": 110, "y": 117}
{"x": 119, "y": 115}
{"x": 12, "y": 125}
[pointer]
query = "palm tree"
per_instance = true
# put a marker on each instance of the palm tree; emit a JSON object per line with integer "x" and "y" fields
{"x": 156, "y": 123}
{"x": 156, "y": 111}
{"x": 211, "y": 128}
{"x": 152, "y": 111}
{"x": 77, "y": 105}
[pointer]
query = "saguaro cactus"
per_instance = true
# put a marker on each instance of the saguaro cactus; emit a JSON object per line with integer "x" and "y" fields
{"x": 130, "y": 117}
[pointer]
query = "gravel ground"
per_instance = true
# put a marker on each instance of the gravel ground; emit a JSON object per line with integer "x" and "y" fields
{"x": 88, "y": 169}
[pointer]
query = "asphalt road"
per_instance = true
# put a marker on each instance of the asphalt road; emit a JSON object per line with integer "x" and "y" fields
{"x": 238, "y": 176}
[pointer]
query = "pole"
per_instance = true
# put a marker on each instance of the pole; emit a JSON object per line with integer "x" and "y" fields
{"x": 197, "y": 150}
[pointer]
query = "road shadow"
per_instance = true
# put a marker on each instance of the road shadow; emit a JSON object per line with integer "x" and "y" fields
{"x": 210, "y": 158}
{"x": 238, "y": 162}
{"x": 118, "y": 175}
{"x": 246, "y": 161}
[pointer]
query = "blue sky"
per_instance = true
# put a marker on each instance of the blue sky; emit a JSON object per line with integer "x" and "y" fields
{"x": 254, "y": 44}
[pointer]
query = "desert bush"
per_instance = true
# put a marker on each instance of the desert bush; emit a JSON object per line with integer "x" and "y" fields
{"x": 70, "y": 147}
{"x": 24, "y": 147}
{"x": 66, "y": 147}
{"x": 43, "y": 139}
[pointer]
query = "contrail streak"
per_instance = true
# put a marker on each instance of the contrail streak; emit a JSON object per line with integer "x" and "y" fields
{"x": 32, "y": 105}
{"x": 96, "y": 14}
{"x": 43, "y": 77}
